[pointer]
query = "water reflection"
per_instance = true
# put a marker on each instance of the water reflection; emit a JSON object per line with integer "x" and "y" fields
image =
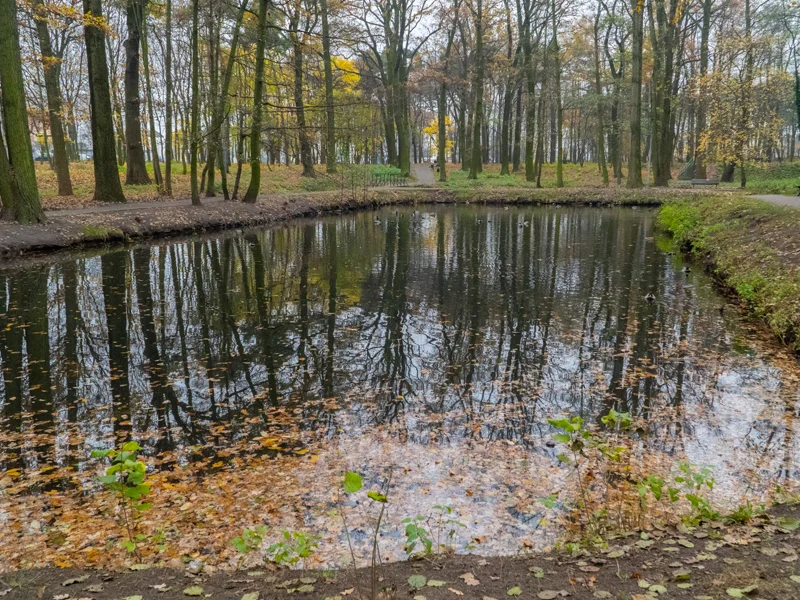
{"x": 437, "y": 328}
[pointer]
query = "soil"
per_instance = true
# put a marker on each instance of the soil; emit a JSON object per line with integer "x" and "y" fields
{"x": 757, "y": 560}
{"x": 104, "y": 224}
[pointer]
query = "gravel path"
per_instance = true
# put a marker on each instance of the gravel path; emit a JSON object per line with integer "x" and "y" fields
{"x": 793, "y": 201}
{"x": 424, "y": 174}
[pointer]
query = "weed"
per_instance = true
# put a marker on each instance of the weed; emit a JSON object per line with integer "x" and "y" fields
{"x": 127, "y": 478}
{"x": 294, "y": 547}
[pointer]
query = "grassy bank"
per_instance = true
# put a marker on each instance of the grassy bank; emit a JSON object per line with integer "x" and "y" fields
{"x": 752, "y": 246}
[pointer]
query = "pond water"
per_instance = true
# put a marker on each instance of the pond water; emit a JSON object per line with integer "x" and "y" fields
{"x": 428, "y": 345}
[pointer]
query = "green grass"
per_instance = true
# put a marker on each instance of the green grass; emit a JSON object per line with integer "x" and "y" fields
{"x": 752, "y": 246}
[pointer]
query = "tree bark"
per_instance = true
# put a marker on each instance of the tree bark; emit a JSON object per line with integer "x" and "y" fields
{"x": 297, "y": 58}
{"x": 258, "y": 90}
{"x": 137, "y": 171}
{"x": 51, "y": 65}
{"x": 168, "y": 104}
{"x": 150, "y": 112}
{"x": 107, "y": 186}
{"x": 598, "y": 88}
{"x": 330, "y": 113}
{"x": 195, "y": 116}
{"x": 477, "y": 156}
{"x": 635, "y": 158}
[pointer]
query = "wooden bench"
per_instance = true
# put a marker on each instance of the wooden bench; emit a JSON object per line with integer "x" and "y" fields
{"x": 705, "y": 182}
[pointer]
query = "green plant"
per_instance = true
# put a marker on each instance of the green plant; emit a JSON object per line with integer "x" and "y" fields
{"x": 294, "y": 546}
{"x": 416, "y": 533}
{"x": 745, "y": 513}
{"x": 127, "y": 478}
{"x": 695, "y": 481}
{"x": 353, "y": 483}
{"x": 250, "y": 539}
{"x": 446, "y": 523}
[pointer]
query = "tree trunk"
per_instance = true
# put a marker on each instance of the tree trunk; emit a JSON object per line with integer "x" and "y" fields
{"x": 477, "y": 156}
{"x": 258, "y": 90}
{"x": 51, "y": 65}
{"x": 598, "y": 88}
{"x": 635, "y": 158}
{"x": 137, "y": 170}
{"x": 559, "y": 106}
{"x": 195, "y": 125}
{"x": 222, "y": 105}
{"x": 24, "y": 205}
{"x": 330, "y": 113}
{"x": 168, "y": 105}
{"x": 508, "y": 93}
{"x": 441, "y": 141}
{"x": 150, "y": 111}
{"x": 297, "y": 58}
{"x": 107, "y": 186}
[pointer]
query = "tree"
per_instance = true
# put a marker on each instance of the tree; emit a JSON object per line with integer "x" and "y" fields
{"x": 168, "y": 103}
{"x": 150, "y": 112}
{"x": 297, "y": 37}
{"x": 51, "y": 65}
{"x": 107, "y": 186}
{"x": 137, "y": 171}
{"x": 258, "y": 91}
{"x": 700, "y": 123}
{"x": 330, "y": 112}
{"x": 635, "y": 158}
{"x": 559, "y": 106}
{"x": 441, "y": 157}
{"x": 598, "y": 89}
{"x": 23, "y": 204}
{"x": 477, "y": 155}
{"x": 195, "y": 134}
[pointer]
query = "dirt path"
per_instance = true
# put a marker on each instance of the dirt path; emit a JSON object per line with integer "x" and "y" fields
{"x": 793, "y": 201}
{"x": 424, "y": 174}
{"x": 115, "y": 208}
{"x": 757, "y": 560}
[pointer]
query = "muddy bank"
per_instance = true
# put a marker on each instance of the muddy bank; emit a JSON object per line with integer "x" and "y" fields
{"x": 753, "y": 249}
{"x": 104, "y": 224}
{"x": 755, "y": 560}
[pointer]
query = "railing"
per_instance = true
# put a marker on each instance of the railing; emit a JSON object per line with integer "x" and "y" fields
{"x": 388, "y": 180}
{"x": 687, "y": 172}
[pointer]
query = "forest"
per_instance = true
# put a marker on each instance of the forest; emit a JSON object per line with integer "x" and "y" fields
{"x": 149, "y": 91}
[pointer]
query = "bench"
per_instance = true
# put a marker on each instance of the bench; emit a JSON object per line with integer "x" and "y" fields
{"x": 798, "y": 189}
{"x": 705, "y": 182}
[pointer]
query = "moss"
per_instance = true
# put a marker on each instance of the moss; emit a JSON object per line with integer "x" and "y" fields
{"x": 752, "y": 247}
{"x": 99, "y": 232}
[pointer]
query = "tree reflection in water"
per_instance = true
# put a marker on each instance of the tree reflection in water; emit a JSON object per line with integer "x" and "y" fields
{"x": 440, "y": 328}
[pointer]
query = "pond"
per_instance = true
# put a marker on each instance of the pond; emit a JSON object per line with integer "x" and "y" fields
{"x": 428, "y": 345}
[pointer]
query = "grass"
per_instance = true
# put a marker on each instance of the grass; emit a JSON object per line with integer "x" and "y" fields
{"x": 752, "y": 246}
{"x": 777, "y": 178}
{"x": 770, "y": 178}
{"x": 274, "y": 179}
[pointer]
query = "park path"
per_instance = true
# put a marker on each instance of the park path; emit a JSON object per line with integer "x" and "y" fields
{"x": 793, "y": 201}
{"x": 424, "y": 174}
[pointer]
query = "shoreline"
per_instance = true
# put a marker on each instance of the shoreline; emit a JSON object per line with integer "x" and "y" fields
{"x": 717, "y": 560}
{"x": 149, "y": 221}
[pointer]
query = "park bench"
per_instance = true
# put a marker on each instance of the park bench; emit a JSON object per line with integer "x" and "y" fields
{"x": 705, "y": 182}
